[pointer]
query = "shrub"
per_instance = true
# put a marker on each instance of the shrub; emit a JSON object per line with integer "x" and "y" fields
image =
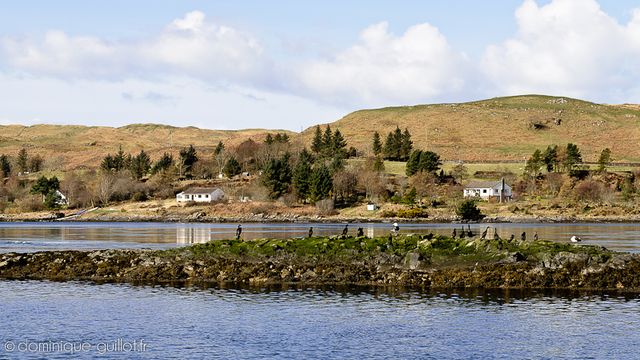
{"x": 140, "y": 196}
{"x": 589, "y": 190}
{"x": 468, "y": 210}
{"x": 325, "y": 207}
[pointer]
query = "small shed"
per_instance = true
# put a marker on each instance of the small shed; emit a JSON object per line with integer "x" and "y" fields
{"x": 497, "y": 189}
{"x": 205, "y": 195}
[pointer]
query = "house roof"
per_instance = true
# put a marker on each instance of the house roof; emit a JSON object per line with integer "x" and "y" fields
{"x": 200, "y": 190}
{"x": 484, "y": 184}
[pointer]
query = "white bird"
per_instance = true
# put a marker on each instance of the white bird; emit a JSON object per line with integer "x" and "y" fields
{"x": 575, "y": 239}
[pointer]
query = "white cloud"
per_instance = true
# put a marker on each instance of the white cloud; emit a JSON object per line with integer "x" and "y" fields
{"x": 189, "y": 46}
{"x": 567, "y": 47}
{"x": 384, "y": 69}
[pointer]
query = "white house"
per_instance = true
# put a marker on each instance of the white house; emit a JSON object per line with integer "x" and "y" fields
{"x": 62, "y": 201}
{"x": 200, "y": 195}
{"x": 488, "y": 189}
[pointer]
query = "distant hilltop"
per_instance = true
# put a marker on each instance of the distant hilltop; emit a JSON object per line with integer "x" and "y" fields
{"x": 498, "y": 129}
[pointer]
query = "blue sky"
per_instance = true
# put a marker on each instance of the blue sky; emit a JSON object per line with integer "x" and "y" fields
{"x": 291, "y": 64}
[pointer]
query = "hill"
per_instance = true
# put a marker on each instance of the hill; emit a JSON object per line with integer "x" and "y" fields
{"x": 499, "y": 129}
{"x": 72, "y": 146}
{"x": 507, "y": 128}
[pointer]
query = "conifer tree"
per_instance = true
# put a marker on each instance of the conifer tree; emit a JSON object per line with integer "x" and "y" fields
{"x": 316, "y": 144}
{"x": 550, "y": 158}
{"x": 23, "y": 160}
{"x": 231, "y": 168}
{"x": 406, "y": 145}
{"x": 377, "y": 145}
{"x": 321, "y": 183}
{"x": 276, "y": 176}
{"x": 5, "y": 165}
{"x": 302, "y": 175}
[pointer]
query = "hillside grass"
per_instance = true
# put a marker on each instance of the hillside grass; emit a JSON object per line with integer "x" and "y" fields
{"x": 500, "y": 129}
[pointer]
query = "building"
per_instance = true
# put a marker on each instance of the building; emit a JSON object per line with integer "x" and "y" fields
{"x": 200, "y": 195}
{"x": 486, "y": 190}
{"x": 62, "y": 199}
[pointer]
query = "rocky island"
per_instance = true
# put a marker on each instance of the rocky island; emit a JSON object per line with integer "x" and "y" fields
{"x": 415, "y": 261}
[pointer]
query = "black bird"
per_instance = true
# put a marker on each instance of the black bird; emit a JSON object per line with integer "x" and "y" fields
{"x": 360, "y": 232}
{"x": 535, "y": 236}
{"x": 345, "y": 230}
{"x": 462, "y": 234}
{"x": 495, "y": 234}
{"x": 469, "y": 232}
{"x": 453, "y": 234}
{"x": 238, "y": 232}
{"x": 523, "y": 236}
{"x": 511, "y": 237}
{"x": 484, "y": 233}
{"x": 310, "y": 231}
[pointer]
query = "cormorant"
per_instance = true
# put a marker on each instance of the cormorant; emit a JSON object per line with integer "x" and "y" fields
{"x": 310, "y": 231}
{"x": 360, "y": 232}
{"x": 535, "y": 236}
{"x": 238, "y": 232}
{"x": 523, "y": 236}
{"x": 495, "y": 234}
{"x": 512, "y": 237}
{"x": 345, "y": 230}
{"x": 484, "y": 233}
{"x": 462, "y": 234}
{"x": 469, "y": 232}
{"x": 453, "y": 234}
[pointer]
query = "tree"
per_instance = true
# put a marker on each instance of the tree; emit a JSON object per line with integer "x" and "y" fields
{"x": 604, "y": 160}
{"x": 419, "y": 160}
{"x": 468, "y": 210}
{"x": 316, "y": 144}
{"x": 321, "y": 183}
{"x": 5, "y": 165}
{"x": 35, "y": 163}
{"x": 327, "y": 142}
{"x": 164, "y": 163}
{"x": 23, "y": 161}
{"x": 413, "y": 163}
{"x": 52, "y": 200}
{"x": 48, "y": 189}
{"x": 377, "y": 145}
{"x": 459, "y": 172}
{"x": 269, "y": 139}
{"x": 231, "y": 168}
{"x": 338, "y": 145}
{"x": 406, "y": 145}
{"x": 550, "y": 158}
{"x": 140, "y": 165}
{"x": 534, "y": 164}
{"x": 378, "y": 164}
{"x": 573, "y": 156}
{"x": 302, "y": 175}
{"x": 188, "y": 157}
{"x": 219, "y": 155}
{"x": 276, "y": 176}
{"x": 429, "y": 162}
{"x": 390, "y": 149}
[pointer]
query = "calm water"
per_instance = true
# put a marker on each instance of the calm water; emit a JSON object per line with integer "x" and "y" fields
{"x": 195, "y": 323}
{"x": 26, "y": 237}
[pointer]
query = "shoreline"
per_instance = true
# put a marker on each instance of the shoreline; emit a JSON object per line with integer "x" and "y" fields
{"x": 284, "y": 219}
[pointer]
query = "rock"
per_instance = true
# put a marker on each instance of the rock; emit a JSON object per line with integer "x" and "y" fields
{"x": 514, "y": 258}
{"x": 413, "y": 260}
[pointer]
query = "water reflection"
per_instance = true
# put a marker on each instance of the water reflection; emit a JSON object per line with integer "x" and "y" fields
{"x": 23, "y": 237}
{"x": 191, "y": 235}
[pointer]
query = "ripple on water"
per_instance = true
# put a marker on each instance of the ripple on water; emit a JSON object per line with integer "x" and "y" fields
{"x": 331, "y": 323}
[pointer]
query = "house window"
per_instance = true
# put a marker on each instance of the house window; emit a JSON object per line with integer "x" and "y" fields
{"x": 206, "y": 196}
{"x": 484, "y": 191}
{"x": 199, "y": 196}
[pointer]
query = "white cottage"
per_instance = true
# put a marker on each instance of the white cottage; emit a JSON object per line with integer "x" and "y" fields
{"x": 488, "y": 189}
{"x": 200, "y": 195}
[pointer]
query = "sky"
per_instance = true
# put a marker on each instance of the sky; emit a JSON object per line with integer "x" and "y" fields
{"x": 292, "y": 64}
